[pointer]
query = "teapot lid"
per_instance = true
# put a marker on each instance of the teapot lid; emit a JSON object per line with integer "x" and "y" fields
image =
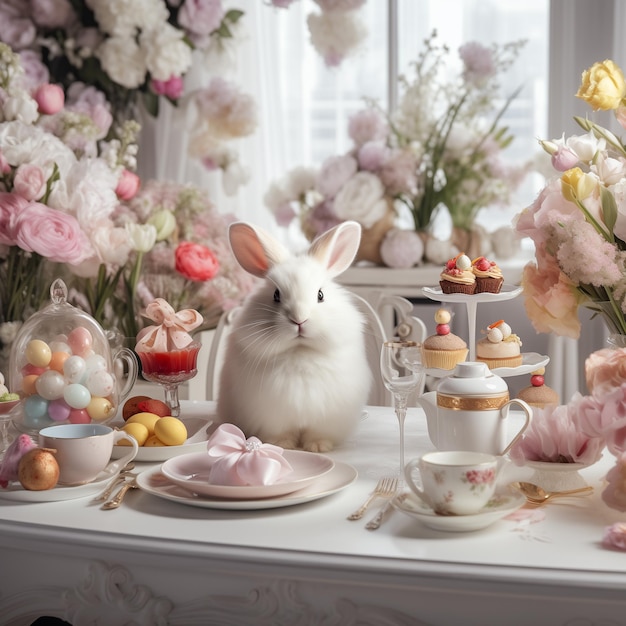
{"x": 472, "y": 378}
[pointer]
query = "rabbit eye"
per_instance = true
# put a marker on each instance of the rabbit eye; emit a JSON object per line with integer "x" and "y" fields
{"x": 320, "y": 296}
{"x": 277, "y": 296}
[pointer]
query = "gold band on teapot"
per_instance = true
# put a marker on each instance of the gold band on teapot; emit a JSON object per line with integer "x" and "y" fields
{"x": 459, "y": 403}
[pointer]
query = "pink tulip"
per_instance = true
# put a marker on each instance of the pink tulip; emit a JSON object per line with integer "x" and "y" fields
{"x": 171, "y": 88}
{"x": 50, "y": 99}
{"x": 128, "y": 185}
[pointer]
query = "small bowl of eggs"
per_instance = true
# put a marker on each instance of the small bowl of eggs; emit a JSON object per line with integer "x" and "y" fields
{"x": 64, "y": 369}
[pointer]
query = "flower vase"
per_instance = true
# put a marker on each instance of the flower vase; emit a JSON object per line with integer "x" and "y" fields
{"x": 557, "y": 476}
{"x": 371, "y": 238}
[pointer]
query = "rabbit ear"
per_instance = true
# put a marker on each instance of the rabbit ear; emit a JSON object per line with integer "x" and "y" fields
{"x": 255, "y": 249}
{"x": 337, "y": 247}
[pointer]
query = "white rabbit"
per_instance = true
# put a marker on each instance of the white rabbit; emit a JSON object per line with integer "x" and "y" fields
{"x": 295, "y": 367}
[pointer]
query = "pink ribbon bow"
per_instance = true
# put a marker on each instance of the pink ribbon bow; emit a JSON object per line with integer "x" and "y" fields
{"x": 241, "y": 461}
{"x": 172, "y": 333}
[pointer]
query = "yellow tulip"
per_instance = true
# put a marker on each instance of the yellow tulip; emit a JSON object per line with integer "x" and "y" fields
{"x": 576, "y": 185}
{"x": 603, "y": 86}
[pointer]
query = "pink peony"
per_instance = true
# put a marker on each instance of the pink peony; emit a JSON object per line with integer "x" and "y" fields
{"x": 551, "y": 300}
{"x": 128, "y": 185}
{"x": 553, "y": 436}
{"x": 478, "y": 62}
{"x": 615, "y": 535}
{"x": 605, "y": 369}
{"x": 372, "y": 155}
{"x": 195, "y": 261}
{"x": 51, "y": 234}
{"x": 614, "y": 495}
{"x": 334, "y": 174}
{"x": 201, "y": 17}
{"x": 50, "y": 99}
{"x": 367, "y": 125}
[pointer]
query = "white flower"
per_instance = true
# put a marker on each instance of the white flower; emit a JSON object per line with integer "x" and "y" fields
{"x": 361, "y": 199}
{"x": 585, "y": 146}
{"x": 142, "y": 236}
{"x": 336, "y": 34}
{"x": 609, "y": 170}
{"x": 112, "y": 245}
{"x": 235, "y": 174}
{"x": 299, "y": 181}
{"x": 22, "y": 108}
{"x": 123, "y": 60}
{"x": 166, "y": 53}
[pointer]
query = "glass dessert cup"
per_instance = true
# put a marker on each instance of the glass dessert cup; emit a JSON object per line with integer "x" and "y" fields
{"x": 169, "y": 369}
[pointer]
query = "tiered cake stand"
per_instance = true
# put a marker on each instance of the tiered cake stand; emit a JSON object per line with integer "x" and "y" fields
{"x": 531, "y": 361}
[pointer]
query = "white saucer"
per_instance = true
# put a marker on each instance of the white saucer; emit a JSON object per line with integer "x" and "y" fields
{"x": 531, "y": 361}
{"x": 197, "y": 436}
{"x": 17, "y": 493}
{"x": 191, "y": 471}
{"x": 501, "y": 505}
{"x": 506, "y": 293}
{"x": 338, "y": 478}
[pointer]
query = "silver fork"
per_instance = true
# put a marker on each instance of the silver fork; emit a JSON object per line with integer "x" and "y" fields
{"x": 385, "y": 488}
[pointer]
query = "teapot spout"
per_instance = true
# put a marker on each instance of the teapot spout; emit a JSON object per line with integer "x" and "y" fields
{"x": 428, "y": 402}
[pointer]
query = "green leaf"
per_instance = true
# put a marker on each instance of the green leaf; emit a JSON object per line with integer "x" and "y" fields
{"x": 151, "y": 102}
{"x": 609, "y": 208}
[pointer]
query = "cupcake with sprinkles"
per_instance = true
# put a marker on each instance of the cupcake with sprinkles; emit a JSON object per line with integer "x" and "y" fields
{"x": 457, "y": 276}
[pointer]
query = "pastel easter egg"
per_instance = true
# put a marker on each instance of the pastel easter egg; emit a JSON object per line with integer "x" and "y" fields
{"x": 442, "y": 316}
{"x": 35, "y": 407}
{"x": 59, "y": 410}
{"x": 100, "y": 409}
{"x": 38, "y": 353}
{"x": 59, "y": 344}
{"x": 29, "y": 384}
{"x": 80, "y": 341}
{"x": 100, "y": 383}
{"x": 36, "y": 422}
{"x": 50, "y": 385}
{"x": 79, "y": 416}
{"x": 74, "y": 368}
{"x": 30, "y": 369}
{"x": 77, "y": 396}
{"x": 95, "y": 362}
{"x": 58, "y": 360}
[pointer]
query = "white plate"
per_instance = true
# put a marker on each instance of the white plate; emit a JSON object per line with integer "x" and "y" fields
{"x": 501, "y": 505}
{"x": 197, "y": 437}
{"x": 191, "y": 471}
{"x": 340, "y": 476}
{"x": 17, "y": 493}
{"x": 506, "y": 293}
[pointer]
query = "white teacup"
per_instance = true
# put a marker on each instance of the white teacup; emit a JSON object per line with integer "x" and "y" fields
{"x": 454, "y": 482}
{"x": 84, "y": 450}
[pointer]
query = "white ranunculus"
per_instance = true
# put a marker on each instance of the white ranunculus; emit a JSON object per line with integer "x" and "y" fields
{"x": 112, "y": 245}
{"x": 123, "y": 61}
{"x": 361, "y": 199}
{"x": 585, "y": 146}
{"x": 166, "y": 52}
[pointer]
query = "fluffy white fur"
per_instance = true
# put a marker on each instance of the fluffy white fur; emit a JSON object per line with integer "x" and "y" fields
{"x": 296, "y": 371}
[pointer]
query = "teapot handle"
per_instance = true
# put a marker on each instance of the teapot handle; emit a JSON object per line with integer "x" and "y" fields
{"x": 129, "y": 358}
{"x": 504, "y": 411}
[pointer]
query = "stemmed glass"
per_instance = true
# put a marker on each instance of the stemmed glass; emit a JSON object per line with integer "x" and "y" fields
{"x": 169, "y": 369}
{"x": 403, "y": 372}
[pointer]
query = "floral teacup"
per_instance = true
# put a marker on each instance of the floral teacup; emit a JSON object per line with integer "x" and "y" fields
{"x": 454, "y": 482}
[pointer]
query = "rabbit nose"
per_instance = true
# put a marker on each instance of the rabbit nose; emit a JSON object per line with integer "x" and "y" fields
{"x": 299, "y": 325}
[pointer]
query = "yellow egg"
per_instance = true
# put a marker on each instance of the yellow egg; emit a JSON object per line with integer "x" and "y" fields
{"x": 171, "y": 431}
{"x": 100, "y": 408}
{"x": 38, "y": 353}
{"x": 145, "y": 418}
{"x": 138, "y": 431}
{"x": 153, "y": 442}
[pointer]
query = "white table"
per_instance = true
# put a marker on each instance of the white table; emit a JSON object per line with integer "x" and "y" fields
{"x": 159, "y": 562}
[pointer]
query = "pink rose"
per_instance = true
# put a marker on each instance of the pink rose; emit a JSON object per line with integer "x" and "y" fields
{"x": 564, "y": 159}
{"x": 196, "y": 262}
{"x": 10, "y": 206}
{"x": 615, "y": 536}
{"x": 52, "y": 234}
{"x": 128, "y": 185}
{"x": 50, "y": 99}
{"x": 29, "y": 182}
{"x": 605, "y": 369}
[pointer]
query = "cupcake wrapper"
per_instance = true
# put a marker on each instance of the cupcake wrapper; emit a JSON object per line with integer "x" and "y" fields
{"x": 444, "y": 359}
{"x": 489, "y": 285}
{"x": 450, "y": 287}
{"x": 511, "y": 361}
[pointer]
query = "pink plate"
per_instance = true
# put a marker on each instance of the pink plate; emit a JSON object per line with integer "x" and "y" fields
{"x": 5, "y": 407}
{"x": 191, "y": 471}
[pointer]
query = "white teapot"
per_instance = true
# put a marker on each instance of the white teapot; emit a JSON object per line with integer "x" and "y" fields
{"x": 469, "y": 411}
